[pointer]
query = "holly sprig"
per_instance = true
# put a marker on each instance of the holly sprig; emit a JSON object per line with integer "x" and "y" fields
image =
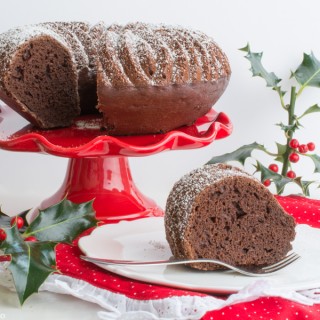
{"x": 30, "y": 248}
{"x": 306, "y": 75}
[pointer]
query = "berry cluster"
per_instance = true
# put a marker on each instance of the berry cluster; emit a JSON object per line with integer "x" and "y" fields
{"x": 301, "y": 148}
{"x": 296, "y": 149}
{"x": 19, "y": 222}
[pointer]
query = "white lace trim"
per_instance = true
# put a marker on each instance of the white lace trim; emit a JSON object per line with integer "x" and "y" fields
{"x": 119, "y": 307}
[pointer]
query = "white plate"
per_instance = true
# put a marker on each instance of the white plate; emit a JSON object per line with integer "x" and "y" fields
{"x": 144, "y": 239}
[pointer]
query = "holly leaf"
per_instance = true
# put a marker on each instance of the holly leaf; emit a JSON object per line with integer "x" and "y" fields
{"x": 308, "y": 73}
{"x": 31, "y": 262}
{"x": 312, "y": 109}
{"x": 281, "y": 152}
{"x": 258, "y": 69}
{"x": 293, "y": 127}
{"x": 239, "y": 155}
{"x": 316, "y": 160}
{"x": 282, "y": 148}
{"x": 62, "y": 222}
{"x": 304, "y": 185}
{"x": 277, "y": 178}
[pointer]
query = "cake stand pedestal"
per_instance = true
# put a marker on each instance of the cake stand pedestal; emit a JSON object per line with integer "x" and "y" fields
{"x": 108, "y": 181}
{"x": 98, "y": 164}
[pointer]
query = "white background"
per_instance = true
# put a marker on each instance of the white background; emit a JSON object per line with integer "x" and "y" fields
{"x": 282, "y": 29}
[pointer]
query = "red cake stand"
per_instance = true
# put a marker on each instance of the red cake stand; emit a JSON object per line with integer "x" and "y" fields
{"x": 98, "y": 166}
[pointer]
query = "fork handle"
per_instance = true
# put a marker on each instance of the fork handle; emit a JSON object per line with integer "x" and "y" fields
{"x": 148, "y": 263}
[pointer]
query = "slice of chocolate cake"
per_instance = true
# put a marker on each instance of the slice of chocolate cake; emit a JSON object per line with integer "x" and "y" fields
{"x": 39, "y": 77}
{"x": 221, "y": 212}
{"x": 48, "y": 72}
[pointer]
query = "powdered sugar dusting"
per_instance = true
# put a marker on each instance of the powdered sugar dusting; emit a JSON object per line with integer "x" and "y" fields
{"x": 144, "y": 54}
{"x": 176, "y": 55}
{"x": 91, "y": 124}
{"x": 158, "y": 245}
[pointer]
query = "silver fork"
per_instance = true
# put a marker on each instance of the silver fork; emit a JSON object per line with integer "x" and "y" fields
{"x": 253, "y": 271}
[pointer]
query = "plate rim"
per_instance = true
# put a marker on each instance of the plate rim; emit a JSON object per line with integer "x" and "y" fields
{"x": 229, "y": 289}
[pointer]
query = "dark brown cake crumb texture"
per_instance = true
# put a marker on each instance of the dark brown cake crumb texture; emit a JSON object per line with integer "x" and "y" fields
{"x": 37, "y": 66}
{"x": 241, "y": 226}
{"x": 236, "y": 220}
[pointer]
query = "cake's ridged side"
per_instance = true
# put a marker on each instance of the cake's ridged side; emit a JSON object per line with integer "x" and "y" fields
{"x": 141, "y": 54}
{"x": 73, "y": 42}
{"x": 110, "y": 62}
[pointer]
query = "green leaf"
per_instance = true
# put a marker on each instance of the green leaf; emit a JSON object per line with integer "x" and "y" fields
{"x": 293, "y": 127}
{"x": 257, "y": 69}
{"x": 246, "y": 48}
{"x": 282, "y": 148}
{"x": 63, "y": 222}
{"x": 280, "y": 92}
{"x": 239, "y": 155}
{"x": 279, "y": 159}
{"x": 304, "y": 185}
{"x": 308, "y": 73}
{"x": 31, "y": 262}
{"x": 316, "y": 160}
{"x": 312, "y": 109}
{"x": 277, "y": 178}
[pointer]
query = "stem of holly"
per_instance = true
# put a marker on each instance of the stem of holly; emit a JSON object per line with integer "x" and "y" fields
{"x": 289, "y": 132}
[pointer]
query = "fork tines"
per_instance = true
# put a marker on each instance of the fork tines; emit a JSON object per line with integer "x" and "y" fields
{"x": 282, "y": 263}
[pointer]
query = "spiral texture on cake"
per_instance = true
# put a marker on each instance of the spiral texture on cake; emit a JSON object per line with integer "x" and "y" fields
{"x": 140, "y": 54}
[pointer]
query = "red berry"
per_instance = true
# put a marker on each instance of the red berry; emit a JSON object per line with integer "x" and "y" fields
{"x": 294, "y": 157}
{"x": 294, "y": 143}
{"x": 31, "y": 239}
{"x": 311, "y": 146}
{"x": 303, "y": 148}
{"x": 3, "y": 235}
{"x": 267, "y": 182}
{"x": 18, "y": 221}
{"x": 291, "y": 174}
{"x": 273, "y": 167}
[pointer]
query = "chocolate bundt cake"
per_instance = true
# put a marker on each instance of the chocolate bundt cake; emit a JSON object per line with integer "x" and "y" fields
{"x": 158, "y": 77}
{"x": 221, "y": 212}
{"x": 143, "y": 78}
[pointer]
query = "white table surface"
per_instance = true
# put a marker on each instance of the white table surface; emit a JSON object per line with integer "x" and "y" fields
{"x": 45, "y": 305}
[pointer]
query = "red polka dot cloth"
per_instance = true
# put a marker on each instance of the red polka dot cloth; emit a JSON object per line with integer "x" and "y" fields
{"x": 123, "y": 298}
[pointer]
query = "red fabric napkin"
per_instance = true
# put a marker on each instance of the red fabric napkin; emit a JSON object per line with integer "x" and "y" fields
{"x": 304, "y": 210}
